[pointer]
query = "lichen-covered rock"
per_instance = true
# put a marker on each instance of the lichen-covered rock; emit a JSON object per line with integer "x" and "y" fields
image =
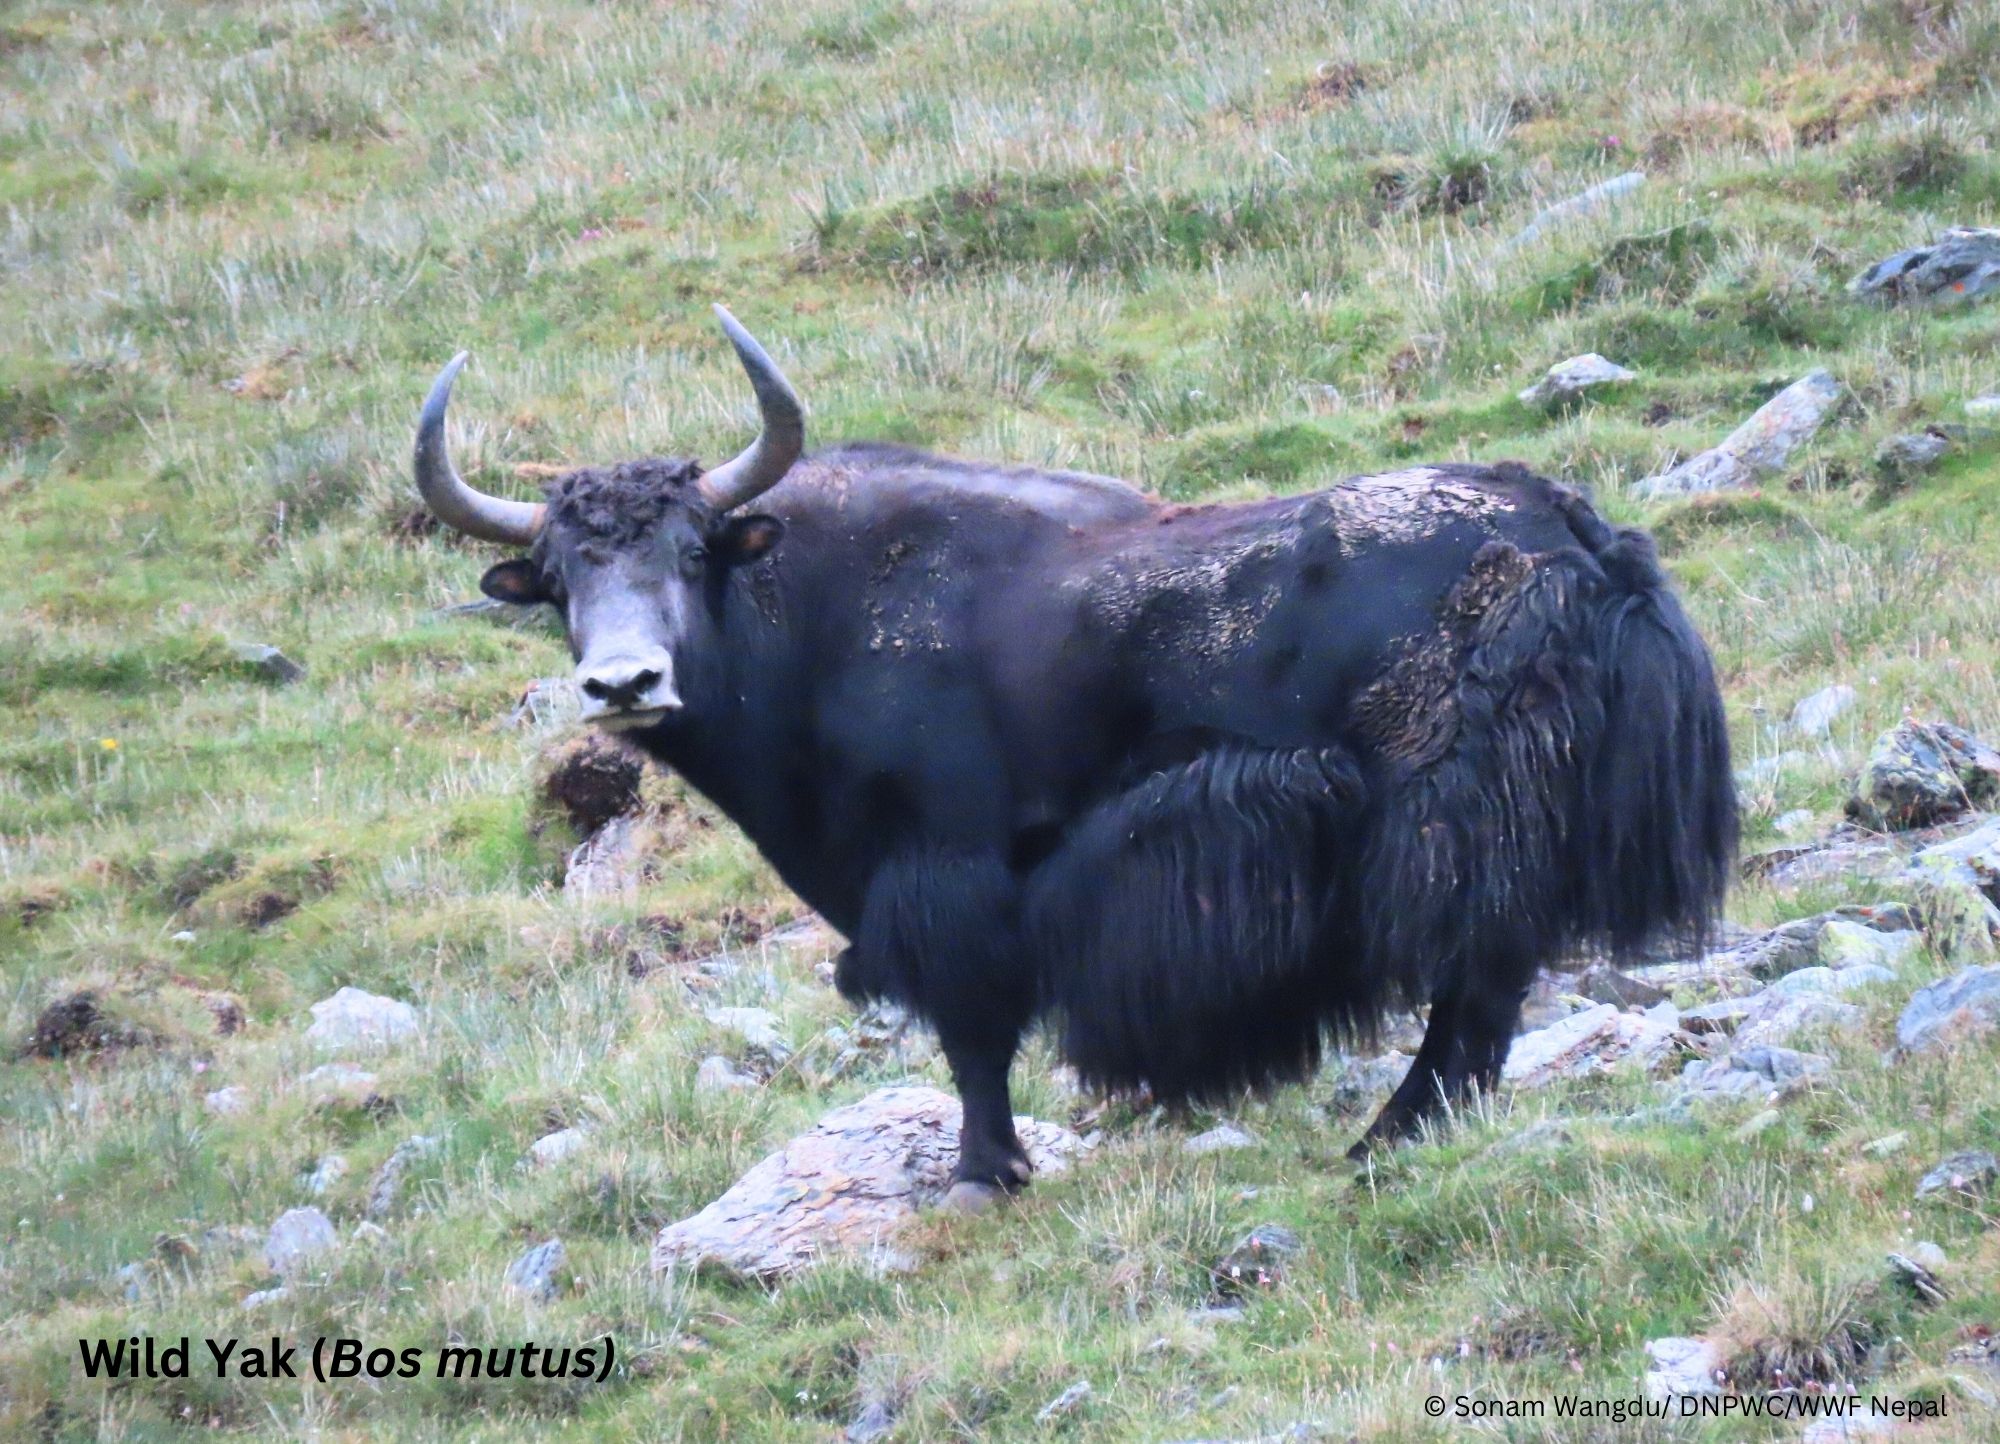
{"x": 552, "y": 1148}
{"x": 1950, "y": 1009}
{"x": 615, "y": 860}
{"x": 1594, "y": 1041}
{"x": 1256, "y": 1260}
{"x": 534, "y": 1273}
{"x": 1814, "y": 715}
{"x": 1960, "y": 882}
{"x": 1569, "y": 379}
{"x": 1924, "y": 772}
{"x": 387, "y": 1185}
{"x": 846, "y": 1186}
{"x": 1759, "y": 447}
{"x": 299, "y": 1236}
{"x": 1225, "y": 1137}
{"x": 1900, "y": 459}
{"x": 1758, "y": 1071}
{"x": 355, "y": 1018}
{"x": 1962, "y": 264}
{"x": 1682, "y": 1367}
{"x": 1972, "y": 1172}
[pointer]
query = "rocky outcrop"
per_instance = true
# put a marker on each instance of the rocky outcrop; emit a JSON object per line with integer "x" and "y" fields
{"x": 847, "y": 1186}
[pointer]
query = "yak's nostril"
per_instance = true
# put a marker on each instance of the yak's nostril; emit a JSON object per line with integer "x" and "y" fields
{"x": 643, "y": 682}
{"x": 597, "y": 690}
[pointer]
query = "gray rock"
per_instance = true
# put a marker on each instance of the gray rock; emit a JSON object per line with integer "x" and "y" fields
{"x": 1569, "y": 379}
{"x": 1758, "y": 448}
{"x": 1983, "y": 408}
{"x": 354, "y": 1018}
{"x": 1225, "y": 1137}
{"x": 326, "y": 1173}
{"x": 1592, "y": 1042}
{"x": 1780, "y": 1021}
{"x": 1971, "y": 1172}
{"x": 1960, "y": 880}
{"x": 1816, "y": 864}
{"x": 1815, "y": 715}
{"x": 553, "y": 1148}
{"x": 1065, "y": 1403}
{"x": 299, "y": 1236}
{"x": 1885, "y": 1146}
{"x": 1956, "y": 1007}
{"x": 227, "y": 1102}
{"x": 534, "y": 1272}
{"x": 1602, "y": 983}
{"x": 1920, "y": 1275}
{"x": 1962, "y": 264}
{"x": 1924, "y": 772}
{"x": 268, "y": 662}
{"x": 1680, "y": 1367}
{"x": 1753, "y": 1071}
{"x": 1901, "y": 458}
{"x": 1823, "y": 982}
{"x": 718, "y": 1074}
{"x": 846, "y": 1186}
{"x": 1256, "y": 1260}
{"x": 616, "y": 859}
{"x": 1596, "y": 198}
{"x": 134, "y": 1279}
{"x": 758, "y": 1029}
{"x": 1363, "y": 1081}
{"x": 262, "y": 1298}
{"x": 388, "y": 1180}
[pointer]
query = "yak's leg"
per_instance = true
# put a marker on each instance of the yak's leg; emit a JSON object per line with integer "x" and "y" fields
{"x": 1464, "y": 1048}
{"x": 991, "y": 1161}
{"x": 939, "y": 935}
{"x": 1417, "y": 1096}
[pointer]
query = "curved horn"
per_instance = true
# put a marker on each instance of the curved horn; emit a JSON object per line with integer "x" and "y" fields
{"x": 765, "y": 461}
{"x": 490, "y": 518}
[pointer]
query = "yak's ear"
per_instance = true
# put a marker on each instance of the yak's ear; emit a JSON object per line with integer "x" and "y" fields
{"x": 516, "y": 581}
{"x": 746, "y": 538}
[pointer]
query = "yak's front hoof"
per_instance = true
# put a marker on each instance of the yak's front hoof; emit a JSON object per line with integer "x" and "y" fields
{"x": 972, "y": 1198}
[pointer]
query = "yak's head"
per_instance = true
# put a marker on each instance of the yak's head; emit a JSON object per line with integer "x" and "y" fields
{"x": 634, "y": 556}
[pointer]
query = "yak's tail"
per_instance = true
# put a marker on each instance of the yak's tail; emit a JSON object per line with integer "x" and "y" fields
{"x": 1657, "y": 833}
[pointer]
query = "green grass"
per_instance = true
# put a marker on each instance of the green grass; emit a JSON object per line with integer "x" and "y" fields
{"x": 1218, "y": 247}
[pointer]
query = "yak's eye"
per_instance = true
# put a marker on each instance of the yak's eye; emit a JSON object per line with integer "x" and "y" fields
{"x": 697, "y": 555}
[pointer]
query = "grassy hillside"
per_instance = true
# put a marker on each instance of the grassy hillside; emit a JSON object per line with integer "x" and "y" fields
{"x": 1216, "y": 246}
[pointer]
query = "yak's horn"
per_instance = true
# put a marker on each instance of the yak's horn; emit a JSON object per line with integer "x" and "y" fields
{"x": 765, "y": 461}
{"x": 490, "y": 518}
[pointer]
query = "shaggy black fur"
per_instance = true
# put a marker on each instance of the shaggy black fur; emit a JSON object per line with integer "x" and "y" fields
{"x": 621, "y": 503}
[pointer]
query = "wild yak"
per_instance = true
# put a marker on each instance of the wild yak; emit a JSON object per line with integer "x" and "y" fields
{"x": 1199, "y": 786}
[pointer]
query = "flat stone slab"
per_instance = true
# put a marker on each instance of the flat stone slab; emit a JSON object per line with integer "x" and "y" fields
{"x": 844, "y": 1187}
{"x": 1594, "y": 1041}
